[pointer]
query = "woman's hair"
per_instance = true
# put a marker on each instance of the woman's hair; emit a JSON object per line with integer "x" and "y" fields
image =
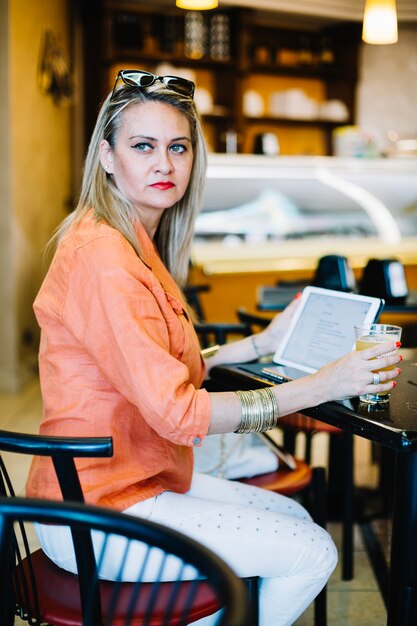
{"x": 174, "y": 235}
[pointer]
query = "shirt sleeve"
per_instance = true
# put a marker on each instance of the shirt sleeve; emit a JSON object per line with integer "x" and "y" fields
{"x": 120, "y": 314}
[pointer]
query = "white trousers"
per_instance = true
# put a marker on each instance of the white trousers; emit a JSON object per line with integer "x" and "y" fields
{"x": 257, "y": 532}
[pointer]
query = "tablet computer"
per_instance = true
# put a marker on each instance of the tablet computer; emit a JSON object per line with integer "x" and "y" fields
{"x": 322, "y": 328}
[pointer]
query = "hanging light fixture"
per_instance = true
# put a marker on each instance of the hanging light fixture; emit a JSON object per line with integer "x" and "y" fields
{"x": 380, "y": 22}
{"x": 197, "y": 5}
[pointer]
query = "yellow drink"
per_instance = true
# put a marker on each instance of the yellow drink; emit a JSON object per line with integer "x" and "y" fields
{"x": 367, "y": 341}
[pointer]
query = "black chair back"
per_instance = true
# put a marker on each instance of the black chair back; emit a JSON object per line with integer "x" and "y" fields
{"x": 169, "y": 554}
{"x": 40, "y": 592}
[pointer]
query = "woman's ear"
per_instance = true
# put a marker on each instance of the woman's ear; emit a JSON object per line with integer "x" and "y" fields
{"x": 106, "y": 156}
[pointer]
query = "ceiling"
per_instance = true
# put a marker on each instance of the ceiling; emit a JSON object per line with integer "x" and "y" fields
{"x": 325, "y": 10}
{"x": 336, "y": 9}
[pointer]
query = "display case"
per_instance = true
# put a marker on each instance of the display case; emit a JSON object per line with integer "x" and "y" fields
{"x": 293, "y": 198}
{"x": 266, "y": 220}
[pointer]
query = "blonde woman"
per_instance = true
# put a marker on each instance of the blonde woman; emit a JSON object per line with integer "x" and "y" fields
{"x": 119, "y": 357}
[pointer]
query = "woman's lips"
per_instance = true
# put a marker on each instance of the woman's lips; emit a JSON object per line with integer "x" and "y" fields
{"x": 163, "y": 186}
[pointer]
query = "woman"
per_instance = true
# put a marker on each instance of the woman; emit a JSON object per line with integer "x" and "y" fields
{"x": 119, "y": 356}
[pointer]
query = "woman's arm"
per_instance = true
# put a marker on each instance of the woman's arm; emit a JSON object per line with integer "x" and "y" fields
{"x": 253, "y": 347}
{"x": 348, "y": 377}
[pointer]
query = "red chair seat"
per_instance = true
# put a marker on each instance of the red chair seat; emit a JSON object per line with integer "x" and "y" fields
{"x": 59, "y": 599}
{"x": 303, "y": 423}
{"x": 284, "y": 480}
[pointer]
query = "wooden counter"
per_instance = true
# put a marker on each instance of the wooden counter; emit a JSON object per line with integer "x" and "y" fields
{"x": 235, "y": 272}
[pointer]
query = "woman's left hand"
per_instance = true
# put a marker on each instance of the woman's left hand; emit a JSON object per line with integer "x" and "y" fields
{"x": 267, "y": 341}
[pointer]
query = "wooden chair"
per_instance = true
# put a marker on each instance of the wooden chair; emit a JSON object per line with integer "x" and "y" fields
{"x": 160, "y": 554}
{"x": 45, "y": 593}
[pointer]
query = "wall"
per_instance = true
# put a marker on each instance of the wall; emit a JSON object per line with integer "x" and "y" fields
{"x": 35, "y": 180}
{"x": 387, "y": 90}
{"x": 7, "y": 353}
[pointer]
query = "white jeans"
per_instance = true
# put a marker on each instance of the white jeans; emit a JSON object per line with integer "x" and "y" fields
{"x": 257, "y": 532}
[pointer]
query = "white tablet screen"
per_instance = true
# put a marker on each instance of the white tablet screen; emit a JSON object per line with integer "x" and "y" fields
{"x": 323, "y": 329}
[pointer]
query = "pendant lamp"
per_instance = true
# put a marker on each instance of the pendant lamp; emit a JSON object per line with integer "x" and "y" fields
{"x": 380, "y": 22}
{"x": 197, "y": 5}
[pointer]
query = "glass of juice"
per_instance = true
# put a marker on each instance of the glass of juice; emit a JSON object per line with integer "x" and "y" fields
{"x": 366, "y": 336}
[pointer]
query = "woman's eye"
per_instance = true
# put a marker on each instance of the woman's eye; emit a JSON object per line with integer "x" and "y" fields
{"x": 142, "y": 146}
{"x": 178, "y": 148}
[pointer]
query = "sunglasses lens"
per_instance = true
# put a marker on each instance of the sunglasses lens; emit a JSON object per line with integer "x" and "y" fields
{"x": 139, "y": 79}
{"x": 180, "y": 85}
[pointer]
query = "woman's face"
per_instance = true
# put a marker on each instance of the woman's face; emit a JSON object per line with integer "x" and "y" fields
{"x": 152, "y": 158}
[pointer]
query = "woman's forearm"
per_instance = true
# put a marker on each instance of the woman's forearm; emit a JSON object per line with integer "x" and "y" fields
{"x": 349, "y": 376}
{"x": 247, "y": 349}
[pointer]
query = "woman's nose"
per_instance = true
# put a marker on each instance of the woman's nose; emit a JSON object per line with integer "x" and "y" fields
{"x": 163, "y": 162}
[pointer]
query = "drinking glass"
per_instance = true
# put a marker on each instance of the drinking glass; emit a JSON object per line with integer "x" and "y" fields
{"x": 366, "y": 336}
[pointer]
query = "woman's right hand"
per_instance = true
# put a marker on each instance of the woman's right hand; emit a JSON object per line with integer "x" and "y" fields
{"x": 352, "y": 375}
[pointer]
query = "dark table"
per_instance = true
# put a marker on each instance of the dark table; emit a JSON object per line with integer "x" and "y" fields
{"x": 394, "y": 427}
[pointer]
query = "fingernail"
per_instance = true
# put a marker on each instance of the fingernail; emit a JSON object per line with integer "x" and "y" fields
{"x": 398, "y": 344}
{"x": 394, "y": 384}
{"x": 298, "y": 295}
{"x": 399, "y": 370}
{"x": 401, "y": 357}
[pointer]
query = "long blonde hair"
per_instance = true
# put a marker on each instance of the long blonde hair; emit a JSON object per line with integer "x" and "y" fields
{"x": 174, "y": 235}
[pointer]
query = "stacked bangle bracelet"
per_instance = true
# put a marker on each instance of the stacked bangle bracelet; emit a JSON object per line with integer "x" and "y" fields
{"x": 259, "y": 410}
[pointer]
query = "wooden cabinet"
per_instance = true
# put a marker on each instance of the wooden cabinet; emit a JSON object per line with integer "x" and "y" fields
{"x": 230, "y": 53}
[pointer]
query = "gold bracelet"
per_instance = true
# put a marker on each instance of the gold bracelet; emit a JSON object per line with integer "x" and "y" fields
{"x": 206, "y": 353}
{"x": 259, "y": 410}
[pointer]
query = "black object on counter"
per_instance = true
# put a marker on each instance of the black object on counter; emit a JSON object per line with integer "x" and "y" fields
{"x": 385, "y": 278}
{"x": 333, "y": 272}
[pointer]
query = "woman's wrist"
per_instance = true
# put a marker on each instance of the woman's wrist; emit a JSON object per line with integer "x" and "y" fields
{"x": 262, "y": 345}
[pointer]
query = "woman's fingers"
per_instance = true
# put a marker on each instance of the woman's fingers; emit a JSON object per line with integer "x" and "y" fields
{"x": 382, "y": 379}
{"x": 379, "y": 349}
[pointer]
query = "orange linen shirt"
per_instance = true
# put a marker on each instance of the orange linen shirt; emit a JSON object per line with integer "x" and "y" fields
{"x": 118, "y": 357}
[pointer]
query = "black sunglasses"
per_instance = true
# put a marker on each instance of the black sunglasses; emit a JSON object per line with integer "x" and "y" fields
{"x": 139, "y": 78}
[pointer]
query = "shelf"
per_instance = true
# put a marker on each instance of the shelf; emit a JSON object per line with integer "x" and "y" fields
{"x": 292, "y": 121}
{"x": 306, "y": 71}
{"x": 130, "y": 54}
{"x": 139, "y": 35}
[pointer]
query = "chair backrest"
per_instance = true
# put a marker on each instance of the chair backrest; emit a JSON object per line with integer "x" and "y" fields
{"x": 211, "y": 333}
{"x": 62, "y": 450}
{"x": 252, "y": 320}
{"x": 193, "y": 296}
{"x": 165, "y": 555}
{"x": 45, "y": 593}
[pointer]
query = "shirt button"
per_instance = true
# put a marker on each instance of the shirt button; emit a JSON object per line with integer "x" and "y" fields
{"x": 196, "y": 441}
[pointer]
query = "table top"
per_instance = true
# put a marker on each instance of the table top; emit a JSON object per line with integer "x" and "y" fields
{"x": 394, "y": 426}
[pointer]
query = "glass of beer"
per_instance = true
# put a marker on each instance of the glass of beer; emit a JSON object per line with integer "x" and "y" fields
{"x": 366, "y": 336}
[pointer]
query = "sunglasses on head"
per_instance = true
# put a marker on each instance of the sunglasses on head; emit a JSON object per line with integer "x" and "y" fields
{"x": 138, "y": 78}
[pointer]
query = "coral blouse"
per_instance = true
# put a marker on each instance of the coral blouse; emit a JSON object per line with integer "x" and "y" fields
{"x": 118, "y": 357}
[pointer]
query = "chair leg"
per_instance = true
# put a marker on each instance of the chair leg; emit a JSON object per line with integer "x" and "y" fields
{"x": 347, "y": 547}
{"x": 319, "y": 496}
{"x": 308, "y": 445}
{"x": 252, "y": 584}
{"x": 320, "y": 608}
{"x": 319, "y": 515}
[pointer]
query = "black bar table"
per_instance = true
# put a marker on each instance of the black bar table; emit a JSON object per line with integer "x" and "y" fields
{"x": 394, "y": 427}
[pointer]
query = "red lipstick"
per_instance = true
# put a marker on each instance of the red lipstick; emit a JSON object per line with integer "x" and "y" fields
{"x": 162, "y": 186}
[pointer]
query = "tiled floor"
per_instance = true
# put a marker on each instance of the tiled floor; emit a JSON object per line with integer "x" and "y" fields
{"x": 350, "y": 603}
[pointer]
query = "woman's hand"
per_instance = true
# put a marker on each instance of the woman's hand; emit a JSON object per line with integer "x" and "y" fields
{"x": 352, "y": 375}
{"x": 267, "y": 341}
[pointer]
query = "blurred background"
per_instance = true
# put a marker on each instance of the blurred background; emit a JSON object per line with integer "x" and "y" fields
{"x": 285, "y": 84}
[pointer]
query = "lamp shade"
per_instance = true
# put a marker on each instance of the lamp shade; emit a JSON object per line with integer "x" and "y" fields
{"x": 380, "y": 22}
{"x": 197, "y": 5}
